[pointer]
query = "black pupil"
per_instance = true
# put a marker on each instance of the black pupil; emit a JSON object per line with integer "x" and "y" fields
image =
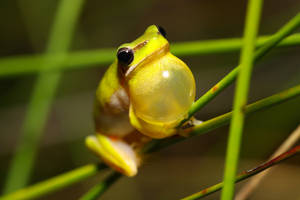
{"x": 125, "y": 55}
{"x": 162, "y": 31}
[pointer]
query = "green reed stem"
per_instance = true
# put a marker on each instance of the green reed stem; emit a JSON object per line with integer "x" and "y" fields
{"x": 240, "y": 98}
{"x": 246, "y": 174}
{"x": 223, "y": 119}
{"x": 101, "y": 187}
{"x": 55, "y": 183}
{"x": 20, "y": 65}
{"x": 10, "y": 66}
{"x": 268, "y": 44}
{"x": 43, "y": 94}
{"x": 64, "y": 180}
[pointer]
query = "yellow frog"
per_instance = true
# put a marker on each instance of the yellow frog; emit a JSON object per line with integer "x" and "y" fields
{"x": 144, "y": 94}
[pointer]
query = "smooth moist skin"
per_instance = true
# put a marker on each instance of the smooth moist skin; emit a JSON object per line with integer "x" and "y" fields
{"x": 144, "y": 94}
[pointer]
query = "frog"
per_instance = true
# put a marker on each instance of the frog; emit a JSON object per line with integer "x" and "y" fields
{"x": 144, "y": 95}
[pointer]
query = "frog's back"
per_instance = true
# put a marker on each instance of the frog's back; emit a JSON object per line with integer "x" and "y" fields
{"x": 112, "y": 105}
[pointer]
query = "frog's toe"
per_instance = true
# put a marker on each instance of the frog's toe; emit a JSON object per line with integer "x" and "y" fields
{"x": 114, "y": 152}
{"x": 195, "y": 121}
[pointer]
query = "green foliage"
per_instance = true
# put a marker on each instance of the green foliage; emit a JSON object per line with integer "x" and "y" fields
{"x": 100, "y": 188}
{"x": 56, "y": 59}
{"x": 246, "y": 174}
{"x": 22, "y": 65}
{"x": 240, "y": 97}
{"x": 55, "y": 183}
{"x": 80, "y": 174}
{"x": 42, "y": 95}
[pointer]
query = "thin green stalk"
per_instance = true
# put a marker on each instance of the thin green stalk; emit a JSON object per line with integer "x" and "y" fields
{"x": 43, "y": 94}
{"x": 20, "y": 65}
{"x": 254, "y": 183}
{"x": 53, "y": 184}
{"x": 268, "y": 44}
{"x": 205, "y": 127}
{"x": 246, "y": 174}
{"x": 240, "y": 97}
{"x": 284, "y": 31}
{"x": 224, "y": 119}
{"x": 101, "y": 187}
{"x": 225, "y": 45}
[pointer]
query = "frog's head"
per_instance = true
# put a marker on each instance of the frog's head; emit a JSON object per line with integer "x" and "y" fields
{"x": 150, "y": 46}
{"x": 161, "y": 87}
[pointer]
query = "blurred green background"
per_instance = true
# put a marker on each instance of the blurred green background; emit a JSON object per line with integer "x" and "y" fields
{"x": 183, "y": 168}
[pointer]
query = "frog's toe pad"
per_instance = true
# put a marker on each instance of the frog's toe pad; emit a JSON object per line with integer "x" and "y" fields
{"x": 116, "y": 153}
{"x": 196, "y": 122}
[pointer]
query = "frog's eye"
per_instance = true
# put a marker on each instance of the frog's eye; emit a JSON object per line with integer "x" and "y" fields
{"x": 125, "y": 55}
{"x": 162, "y": 31}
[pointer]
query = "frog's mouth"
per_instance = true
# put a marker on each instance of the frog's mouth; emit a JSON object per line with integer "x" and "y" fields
{"x": 149, "y": 58}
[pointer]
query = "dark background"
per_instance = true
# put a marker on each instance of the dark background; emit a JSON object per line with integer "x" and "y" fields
{"x": 183, "y": 168}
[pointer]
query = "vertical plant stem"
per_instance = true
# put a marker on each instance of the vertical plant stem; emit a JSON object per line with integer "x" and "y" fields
{"x": 266, "y": 46}
{"x": 240, "y": 99}
{"x": 66, "y": 179}
{"x": 248, "y": 188}
{"x": 101, "y": 187}
{"x": 43, "y": 94}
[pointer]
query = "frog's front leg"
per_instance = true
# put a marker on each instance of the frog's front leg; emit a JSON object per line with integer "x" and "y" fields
{"x": 115, "y": 152}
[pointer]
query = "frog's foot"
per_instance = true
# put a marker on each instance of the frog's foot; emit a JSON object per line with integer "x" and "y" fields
{"x": 195, "y": 121}
{"x": 189, "y": 124}
{"x": 114, "y": 152}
